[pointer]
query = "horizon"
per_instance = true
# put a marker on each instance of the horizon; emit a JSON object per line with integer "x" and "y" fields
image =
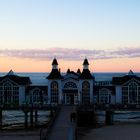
{"x": 34, "y": 32}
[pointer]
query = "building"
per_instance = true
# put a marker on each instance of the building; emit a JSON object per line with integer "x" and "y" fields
{"x": 70, "y": 88}
{"x": 13, "y": 89}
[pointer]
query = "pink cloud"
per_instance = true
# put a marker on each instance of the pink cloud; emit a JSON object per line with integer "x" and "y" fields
{"x": 71, "y": 54}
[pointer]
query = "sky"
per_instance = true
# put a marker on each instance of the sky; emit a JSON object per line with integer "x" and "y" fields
{"x": 33, "y": 32}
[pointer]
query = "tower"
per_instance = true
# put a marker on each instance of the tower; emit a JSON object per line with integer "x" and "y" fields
{"x": 54, "y": 84}
{"x": 85, "y": 64}
{"x": 86, "y": 84}
{"x": 54, "y": 64}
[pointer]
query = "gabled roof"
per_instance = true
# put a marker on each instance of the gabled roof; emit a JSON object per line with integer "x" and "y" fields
{"x": 69, "y": 78}
{"x": 72, "y": 72}
{"x": 11, "y": 72}
{"x": 124, "y": 79}
{"x": 97, "y": 88}
{"x": 71, "y": 75}
{"x": 86, "y": 74}
{"x": 42, "y": 88}
{"x": 20, "y": 80}
{"x": 130, "y": 73}
{"x": 55, "y": 74}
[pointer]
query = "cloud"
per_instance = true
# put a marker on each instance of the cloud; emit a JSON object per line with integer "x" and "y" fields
{"x": 71, "y": 54}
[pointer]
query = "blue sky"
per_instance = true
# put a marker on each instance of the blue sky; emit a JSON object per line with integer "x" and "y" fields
{"x": 105, "y": 31}
{"x": 90, "y": 24}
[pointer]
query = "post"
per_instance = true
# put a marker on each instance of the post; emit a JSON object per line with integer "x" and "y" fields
{"x": 26, "y": 119}
{"x": 109, "y": 117}
{"x": 0, "y": 118}
{"x": 36, "y": 117}
{"x": 31, "y": 117}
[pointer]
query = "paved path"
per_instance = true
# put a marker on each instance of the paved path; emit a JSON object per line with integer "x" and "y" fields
{"x": 20, "y": 135}
{"x": 114, "y": 132}
{"x": 62, "y": 126}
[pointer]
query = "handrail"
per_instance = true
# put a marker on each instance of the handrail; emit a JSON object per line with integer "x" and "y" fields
{"x": 72, "y": 132}
{"x": 44, "y": 132}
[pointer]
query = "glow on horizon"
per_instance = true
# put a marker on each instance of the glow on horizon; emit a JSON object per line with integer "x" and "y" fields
{"x": 82, "y": 24}
{"x": 28, "y": 65}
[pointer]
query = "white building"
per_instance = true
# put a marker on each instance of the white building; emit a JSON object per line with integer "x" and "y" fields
{"x": 71, "y": 88}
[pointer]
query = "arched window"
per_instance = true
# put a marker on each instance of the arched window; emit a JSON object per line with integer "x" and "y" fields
{"x": 36, "y": 96}
{"x": 130, "y": 93}
{"x": 86, "y": 92}
{"x": 54, "y": 92}
{"x": 104, "y": 96}
{"x": 125, "y": 94}
{"x": 70, "y": 85}
{"x": 9, "y": 93}
{"x": 1, "y": 94}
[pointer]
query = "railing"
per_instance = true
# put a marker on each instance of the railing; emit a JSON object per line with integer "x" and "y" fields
{"x": 44, "y": 132}
{"x": 103, "y": 83}
{"x": 72, "y": 132}
{"x": 117, "y": 106}
{"x": 27, "y": 106}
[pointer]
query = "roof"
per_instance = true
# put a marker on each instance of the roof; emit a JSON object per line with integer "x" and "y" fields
{"x": 43, "y": 88}
{"x": 68, "y": 71}
{"x": 78, "y": 71}
{"x": 72, "y": 72}
{"x": 85, "y": 62}
{"x": 54, "y": 62}
{"x": 55, "y": 74}
{"x": 71, "y": 75}
{"x": 86, "y": 74}
{"x": 130, "y": 72}
{"x": 124, "y": 79}
{"x": 10, "y": 72}
{"x": 17, "y": 79}
{"x": 97, "y": 88}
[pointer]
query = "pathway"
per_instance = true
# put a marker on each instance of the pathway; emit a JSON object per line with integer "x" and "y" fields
{"x": 62, "y": 128}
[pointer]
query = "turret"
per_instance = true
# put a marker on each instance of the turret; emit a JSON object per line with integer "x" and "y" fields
{"x": 85, "y": 64}
{"x": 54, "y": 64}
{"x": 55, "y": 73}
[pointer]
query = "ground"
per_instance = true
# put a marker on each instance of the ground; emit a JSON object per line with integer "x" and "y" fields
{"x": 125, "y": 131}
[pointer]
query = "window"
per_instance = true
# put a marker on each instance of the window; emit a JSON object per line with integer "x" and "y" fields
{"x": 125, "y": 95}
{"x": 131, "y": 93}
{"x": 70, "y": 85}
{"x": 36, "y": 96}
{"x": 9, "y": 93}
{"x": 86, "y": 92}
{"x": 15, "y": 95}
{"x": 139, "y": 94}
{"x": 104, "y": 96}
{"x": 1, "y": 95}
{"x": 54, "y": 92}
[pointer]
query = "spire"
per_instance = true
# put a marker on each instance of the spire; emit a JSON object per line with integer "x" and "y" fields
{"x": 54, "y": 64}
{"x": 130, "y": 72}
{"x": 78, "y": 71}
{"x": 10, "y": 72}
{"x": 68, "y": 71}
{"x": 85, "y": 64}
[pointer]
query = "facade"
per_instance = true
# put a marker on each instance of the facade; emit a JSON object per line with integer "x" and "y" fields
{"x": 70, "y": 88}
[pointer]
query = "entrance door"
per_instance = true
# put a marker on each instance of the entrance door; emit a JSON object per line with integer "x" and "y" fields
{"x": 71, "y": 99}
